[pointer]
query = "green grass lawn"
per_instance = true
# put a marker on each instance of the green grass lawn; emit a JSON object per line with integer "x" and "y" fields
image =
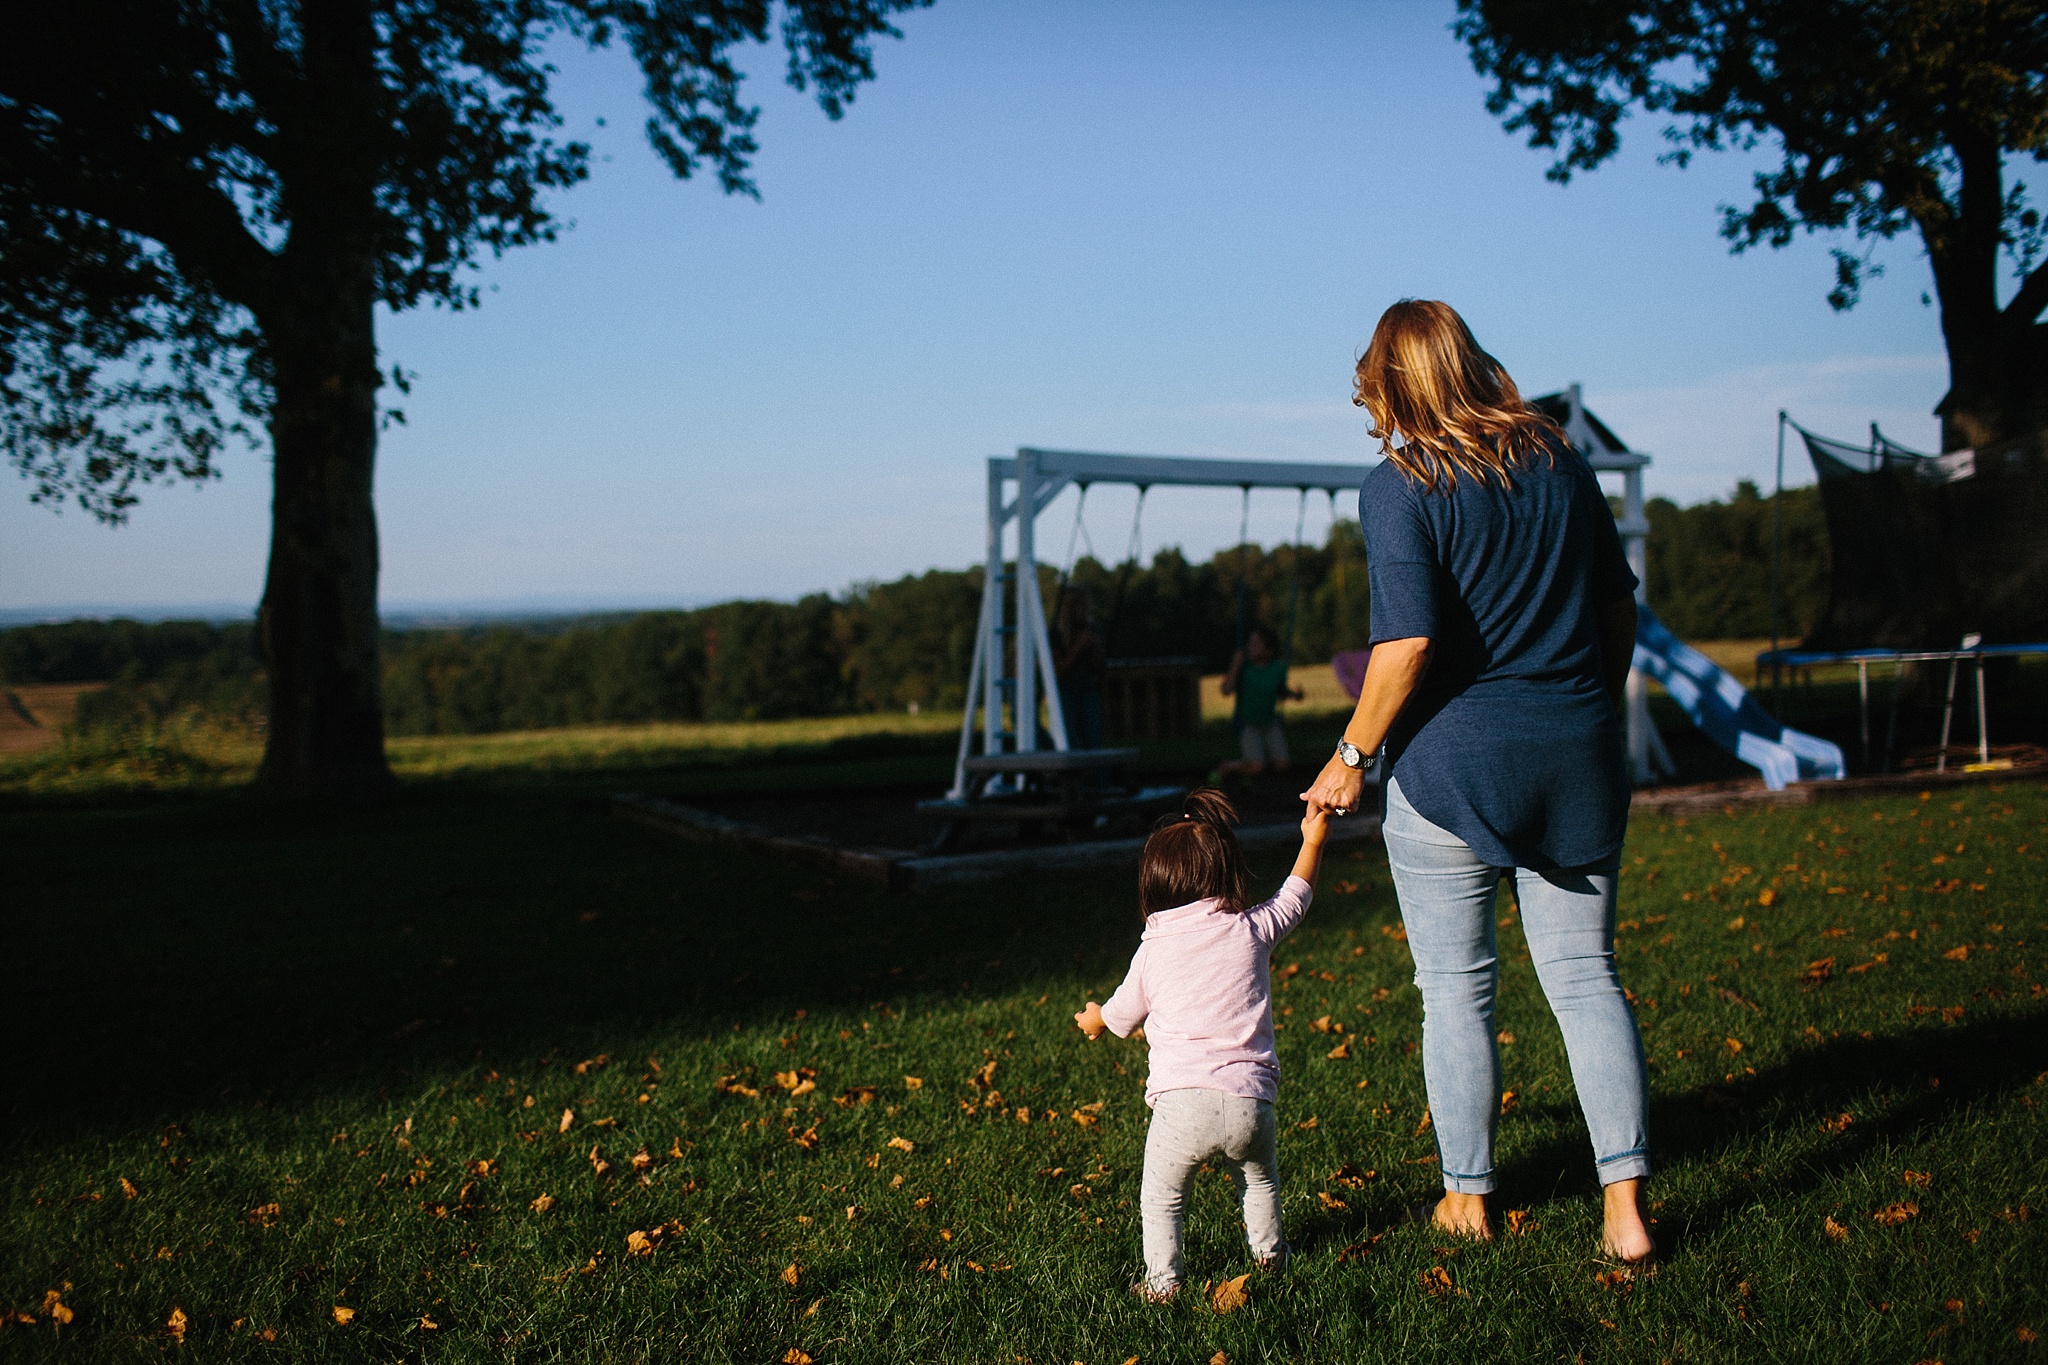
{"x": 270, "y": 1063}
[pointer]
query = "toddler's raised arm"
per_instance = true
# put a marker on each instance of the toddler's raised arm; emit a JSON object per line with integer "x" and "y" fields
{"x": 1275, "y": 919}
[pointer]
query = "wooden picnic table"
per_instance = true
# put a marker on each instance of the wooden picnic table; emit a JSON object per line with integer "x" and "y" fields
{"x": 1071, "y": 789}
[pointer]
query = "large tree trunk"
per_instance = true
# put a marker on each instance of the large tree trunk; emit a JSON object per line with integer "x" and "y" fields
{"x": 319, "y": 618}
{"x": 1997, "y": 357}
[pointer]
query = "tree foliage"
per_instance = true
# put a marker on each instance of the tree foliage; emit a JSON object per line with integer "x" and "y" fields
{"x": 164, "y": 167}
{"x": 1886, "y": 116}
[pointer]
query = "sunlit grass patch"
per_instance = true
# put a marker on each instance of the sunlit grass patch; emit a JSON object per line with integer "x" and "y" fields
{"x": 376, "y": 1021}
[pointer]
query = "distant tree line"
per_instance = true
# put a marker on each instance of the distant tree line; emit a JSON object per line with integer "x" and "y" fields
{"x": 883, "y": 646}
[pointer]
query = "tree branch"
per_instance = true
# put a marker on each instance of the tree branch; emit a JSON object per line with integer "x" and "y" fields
{"x": 2032, "y": 298}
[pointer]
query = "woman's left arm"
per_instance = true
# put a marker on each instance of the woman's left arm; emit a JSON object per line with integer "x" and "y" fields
{"x": 1617, "y": 627}
{"x": 1391, "y": 677}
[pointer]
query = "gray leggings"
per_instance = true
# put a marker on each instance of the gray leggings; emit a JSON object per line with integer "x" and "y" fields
{"x": 1188, "y": 1127}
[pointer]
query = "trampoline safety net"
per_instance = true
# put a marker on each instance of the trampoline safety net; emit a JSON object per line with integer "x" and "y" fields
{"x": 1927, "y": 548}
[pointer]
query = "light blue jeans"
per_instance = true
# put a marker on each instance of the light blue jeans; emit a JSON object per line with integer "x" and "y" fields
{"x": 1447, "y": 905}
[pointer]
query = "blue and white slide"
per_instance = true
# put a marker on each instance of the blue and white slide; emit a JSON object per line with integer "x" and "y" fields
{"x": 1723, "y": 708}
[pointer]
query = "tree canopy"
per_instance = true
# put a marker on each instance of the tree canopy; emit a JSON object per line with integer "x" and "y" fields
{"x": 1887, "y": 116}
{"x": 203, "y": 201}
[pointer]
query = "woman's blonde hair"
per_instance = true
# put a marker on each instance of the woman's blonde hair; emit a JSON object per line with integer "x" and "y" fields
{"x": 1456, "y": 410}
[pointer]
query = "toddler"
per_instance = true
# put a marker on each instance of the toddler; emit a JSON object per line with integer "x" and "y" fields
{"x": 1200, "y": 986}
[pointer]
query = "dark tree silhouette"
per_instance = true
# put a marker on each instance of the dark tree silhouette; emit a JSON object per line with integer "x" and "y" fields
{"x": 1890, "y": 115}
{"x": 203, "y": 201}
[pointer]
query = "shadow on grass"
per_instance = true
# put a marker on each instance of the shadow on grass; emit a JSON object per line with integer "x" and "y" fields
{"x": 171, "y": 953}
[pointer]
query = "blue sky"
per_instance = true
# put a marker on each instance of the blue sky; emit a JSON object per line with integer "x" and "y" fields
{"x": 1143, "y": 227}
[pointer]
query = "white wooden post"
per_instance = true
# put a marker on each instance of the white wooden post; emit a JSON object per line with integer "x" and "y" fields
{"x": 1025, "y": 715}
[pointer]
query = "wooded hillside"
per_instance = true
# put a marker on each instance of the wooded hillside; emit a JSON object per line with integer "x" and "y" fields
{"x": 881, "y": 646}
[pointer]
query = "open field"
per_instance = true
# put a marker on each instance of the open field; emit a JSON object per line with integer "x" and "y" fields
{"x": 271, "y": 1063}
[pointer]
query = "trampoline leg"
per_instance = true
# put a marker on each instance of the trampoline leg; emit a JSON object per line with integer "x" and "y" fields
{"x": 1983, "y": 725}
{"x": 1891, "y": 725}
{"x": 1948, "y": 711}
{"x": 1863, "y": 706}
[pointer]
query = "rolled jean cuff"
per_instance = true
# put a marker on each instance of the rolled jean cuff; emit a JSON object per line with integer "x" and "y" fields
{"x": 1469, "y": 1184}
{"x": 1624, "y": 1166}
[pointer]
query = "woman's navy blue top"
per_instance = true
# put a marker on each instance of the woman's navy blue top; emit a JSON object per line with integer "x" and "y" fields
{"x": 1510, "y": 741}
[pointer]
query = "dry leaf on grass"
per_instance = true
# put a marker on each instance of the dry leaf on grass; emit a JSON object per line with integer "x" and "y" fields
{"x": 1919, "y": 1179}
{"x": 855, "y": 1094}
{"x": 175, "y": 1325}
{"x": 732, "y": 1085}
{"x": 128, "y": 1190}
{"x": 598, "y": 1163}
{"x": 902, "y": 1144}
{"x": 801, "y": 1081}
{"x": 542, "y": 1203}
{"x": 808, "y": 1139}
{"x": 1837, "y": 1124}
{"x": 1507, "y": 1101}
{"x": 482, "y": 1169}
{"x": 1350, "y": 1177}
{"x": 1357, "y": 1251}
{"x": 343, "y": 1316}
{"x": 1891, "y": 1215}
{"x": 1817, "y": 971}
{"x": 1230, "y": 1296}
{"x": 1218, "y": 1359}
{"x": 795, "y": 1357}
{"x": 1519, "y": 1222}
{"x": 1733, "y": 1044}
{"x": 639, "y": 1243}
{"x": 641, "y": 1160}
{"x": 568, "y": 1120}
{"x": 1309, "y": 1124}
{"x": 1436, "y": 1281}
{"x": 913, "y": 1082}
{"x": 263, "y": 1215}
{"x": 790, "y": 1273}
{"x": 1340, "y": 1053}
{"x": 427, "y": 1324}
{"x": 597, "y": 1063}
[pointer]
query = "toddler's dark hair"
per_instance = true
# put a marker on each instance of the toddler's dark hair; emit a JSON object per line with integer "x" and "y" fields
{"x": 1194, "y": 856}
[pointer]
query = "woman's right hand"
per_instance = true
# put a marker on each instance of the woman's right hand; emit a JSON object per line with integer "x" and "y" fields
{"x": 1337, "y": 788}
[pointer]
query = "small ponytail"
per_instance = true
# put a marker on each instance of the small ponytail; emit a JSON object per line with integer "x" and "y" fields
{"x": 1194, "y": 856}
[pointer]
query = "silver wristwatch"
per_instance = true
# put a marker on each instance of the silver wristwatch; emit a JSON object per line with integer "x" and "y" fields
{"x": 1351, "y": 756}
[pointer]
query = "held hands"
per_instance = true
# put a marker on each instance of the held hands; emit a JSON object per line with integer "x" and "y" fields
{"x": 1337, "y": 789}
{"x": 1315, "y": 825}
{"x": 1089, "y": 1021}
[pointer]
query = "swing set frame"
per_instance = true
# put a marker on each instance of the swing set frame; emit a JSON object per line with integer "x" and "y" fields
{"x": 1012, "y": 669}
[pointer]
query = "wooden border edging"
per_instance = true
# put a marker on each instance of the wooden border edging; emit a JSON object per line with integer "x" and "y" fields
{"x": 1753, "y": 793}
{"x": 905, "y": 871}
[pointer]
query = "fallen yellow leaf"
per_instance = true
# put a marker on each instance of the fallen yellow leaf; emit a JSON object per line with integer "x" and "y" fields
{"x": 789, "y": 1274}
{"x": 1519, "y": 1222}
{"x": 1436, "y": 1280}
{"x": 795, "y": 1357}
{"x": 428, "y": 1324}
{"x": 1330, "y": 1201}
{"x": 542, "y": 1203}
{"x": 343, "y": 1316}
{"x": 1340, "y": 1053}
{"x": 54, "y": 1308}
{"x": 175, "y": 1325}
{"x": 568, "y": 1120}
{"x": 639, "y": 1243}
{"x": 902, "y": 1144}
{"x": 913, "y": 1083}
{"x": 1835, "y": 1231}
{"x": 1230, "y": 1296}
{"x": 128, "y": 1190}
{"x": 1891, "y": 1215}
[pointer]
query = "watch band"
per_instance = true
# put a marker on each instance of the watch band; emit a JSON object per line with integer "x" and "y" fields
{"x": 1351, "y": 756}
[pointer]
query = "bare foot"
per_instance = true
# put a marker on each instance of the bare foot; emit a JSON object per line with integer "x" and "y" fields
{"x": 1625, "y": 1234}
{"x": 1464, "y": 1215}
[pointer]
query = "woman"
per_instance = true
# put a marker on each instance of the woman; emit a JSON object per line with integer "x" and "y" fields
{"x": 1503, "y": 620}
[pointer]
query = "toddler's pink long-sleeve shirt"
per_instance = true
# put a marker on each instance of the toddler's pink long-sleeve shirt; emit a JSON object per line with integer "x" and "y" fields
{"x": 1201, "y": 985}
